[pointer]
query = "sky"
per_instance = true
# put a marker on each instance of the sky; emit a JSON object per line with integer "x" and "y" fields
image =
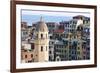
{"x": 31, "y": 16}
{"x": 35, "y": 18}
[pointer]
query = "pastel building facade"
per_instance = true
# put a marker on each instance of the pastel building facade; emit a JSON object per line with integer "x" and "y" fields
{"x": 67, "y": 40}
{"x": 76, "y": 34}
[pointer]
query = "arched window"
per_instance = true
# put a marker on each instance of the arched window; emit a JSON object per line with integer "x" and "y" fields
{"x": 25, "y": 56}
{"x": 41, "y": 48}
{"x": 41, "y": 36}
{"x": 31, "y": 55}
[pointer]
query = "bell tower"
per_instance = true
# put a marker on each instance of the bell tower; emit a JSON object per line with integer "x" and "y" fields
{"x": 41, "y": 42}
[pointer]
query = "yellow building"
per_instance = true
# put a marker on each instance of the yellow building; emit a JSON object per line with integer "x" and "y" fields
{"x": 41, "y": 42}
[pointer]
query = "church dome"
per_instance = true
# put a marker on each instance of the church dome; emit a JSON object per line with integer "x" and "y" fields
{"x": 41, "y": 26}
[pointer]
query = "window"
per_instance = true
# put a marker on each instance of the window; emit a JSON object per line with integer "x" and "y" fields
{"x": 78, "y": 52}
{"x": 87, "y": 57}
{"x": 43, "y": 29}
{"x": 50, "y": 37}
{"x": 83, "y": 21}
{"x": 65, "y": 25}
{"x": 78, "y": 48}
{"x": 88, "y": 48}
{"x": 32, "y": 46}
{"x": 79, "y": 58}
{"x": 72, "y": 52}
{"x": 41, "y": 35}
{"x": 37, "y": 35}
{"x": 25, "y": 56}
{"x": 57, "y": 59}
{"x": 46, "y": 48}
{"x": 65, "y": 51}
{"x": 74, "y": 36}
{"x": 62, "y": 51}
{"x": 50, "y": 52}
{"x": 83, "y": 57}
{"x": 29, "y": 61}
{"x": 73, "y": 58}
{"x": 52, "y": 42}
{"x": 76, "y": 22}
{"x": 49, "y": 46}
{"x": 50, "y": 58}
{"x": 24, "y": 33}
{"x": 31, "y": 55}
{"x": 86, "y": 21}
{"x": 41, "y": 48}
{"x": 36, "y": 55}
